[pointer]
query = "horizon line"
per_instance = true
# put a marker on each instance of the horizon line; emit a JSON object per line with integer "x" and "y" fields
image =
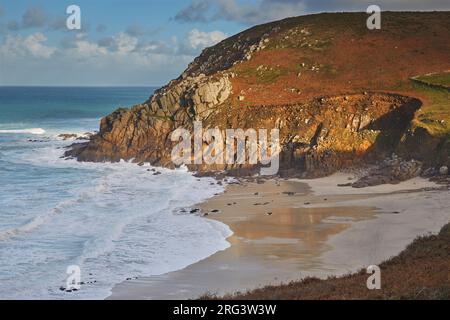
{"x": 80, "y": 86}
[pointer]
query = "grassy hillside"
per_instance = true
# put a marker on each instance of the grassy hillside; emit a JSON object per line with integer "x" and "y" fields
{"x": 335, "y": 54}
{"x": 328, "y": 54}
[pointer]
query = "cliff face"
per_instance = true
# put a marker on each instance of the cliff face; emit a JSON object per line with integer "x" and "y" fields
{"x": 143, "y": 132}
{"x": 337, "y": 92}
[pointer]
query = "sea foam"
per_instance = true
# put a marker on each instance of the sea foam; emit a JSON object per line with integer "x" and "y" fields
{"x": 116, "y": 221}
{"x": 36, "y": 131}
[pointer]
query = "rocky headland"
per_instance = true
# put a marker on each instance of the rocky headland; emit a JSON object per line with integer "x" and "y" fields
{"x": 340, "y": 94}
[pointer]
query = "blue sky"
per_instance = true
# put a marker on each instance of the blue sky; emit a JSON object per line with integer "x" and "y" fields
{"x": 137, "y": 42}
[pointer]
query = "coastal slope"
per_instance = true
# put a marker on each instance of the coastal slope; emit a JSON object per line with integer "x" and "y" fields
{"x": 340, "y": 94}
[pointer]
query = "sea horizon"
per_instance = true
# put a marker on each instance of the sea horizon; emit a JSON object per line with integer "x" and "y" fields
{"x": 82, "y": 86}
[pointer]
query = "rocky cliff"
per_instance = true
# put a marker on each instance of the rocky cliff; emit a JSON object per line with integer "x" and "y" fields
{"x": 338, "y": 92}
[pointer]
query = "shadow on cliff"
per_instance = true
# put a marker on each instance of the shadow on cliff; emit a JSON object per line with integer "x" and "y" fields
{"x": 392, "y": 126}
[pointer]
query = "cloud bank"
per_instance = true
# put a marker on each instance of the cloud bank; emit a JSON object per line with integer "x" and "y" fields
{"x": 260, "y": 11}
{"x": 120, "y": 58}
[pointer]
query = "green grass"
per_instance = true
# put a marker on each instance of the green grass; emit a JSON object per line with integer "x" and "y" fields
{"x": 320, "y": 45}
{"x": 329, "y": 69}
{"x": 435, "y": 113}
{"x": 266, "y": 74}
{"x": 438, "y": 79}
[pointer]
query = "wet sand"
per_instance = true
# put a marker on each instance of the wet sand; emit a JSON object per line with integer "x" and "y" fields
{"x": 288, "y": 230}
{"x": 413, "y": 208}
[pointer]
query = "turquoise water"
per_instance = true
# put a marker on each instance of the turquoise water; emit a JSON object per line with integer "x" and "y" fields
{"x": 114, "y": 221}
{"x": 62, "y": 108}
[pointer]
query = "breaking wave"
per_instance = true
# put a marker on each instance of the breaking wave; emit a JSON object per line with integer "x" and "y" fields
{"x": 36, "y": 131}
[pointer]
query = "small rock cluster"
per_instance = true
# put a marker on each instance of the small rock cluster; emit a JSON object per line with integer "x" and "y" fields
{"x": 74, "y": 136}
{"x": 439, "y": 175}
{"x": 432, "y": 172}
{"x": 228, "y": 53}
{"x": 393, "y": 171}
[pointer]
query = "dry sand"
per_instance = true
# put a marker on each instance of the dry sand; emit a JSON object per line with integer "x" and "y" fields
{"x": 289, "y": 229}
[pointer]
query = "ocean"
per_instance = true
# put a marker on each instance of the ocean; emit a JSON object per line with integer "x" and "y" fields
{"x": 114, "y": 221}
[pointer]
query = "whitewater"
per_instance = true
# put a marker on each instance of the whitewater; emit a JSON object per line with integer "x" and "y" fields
{"x": 114, "y": 220}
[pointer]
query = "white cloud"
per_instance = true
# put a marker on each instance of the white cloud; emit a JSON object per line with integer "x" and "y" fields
{"x": 122, "y": 59}
{"x": 33, "y": 45}
{"x": 85, "y": 49}
{"x": 199, "y": 40}
{"x": 124, "y": 43}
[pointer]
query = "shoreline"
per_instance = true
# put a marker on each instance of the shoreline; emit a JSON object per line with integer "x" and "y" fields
{"x": 286, "y": 230}
{"x": 420, "y": 272}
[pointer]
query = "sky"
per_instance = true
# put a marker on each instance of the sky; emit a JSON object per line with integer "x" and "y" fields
{"x": 138, "y": 42}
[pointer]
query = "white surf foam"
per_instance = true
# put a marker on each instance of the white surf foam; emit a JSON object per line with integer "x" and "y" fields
{"x": 36, "y": 131}
{"x": 119, "y": 222}
{"x": 36, "y": 221}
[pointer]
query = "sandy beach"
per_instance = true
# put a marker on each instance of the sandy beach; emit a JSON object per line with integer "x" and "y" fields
{"x": 290, "y": 229}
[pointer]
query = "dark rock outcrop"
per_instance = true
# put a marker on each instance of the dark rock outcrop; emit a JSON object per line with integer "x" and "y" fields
{"x": 393, "y": 171}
